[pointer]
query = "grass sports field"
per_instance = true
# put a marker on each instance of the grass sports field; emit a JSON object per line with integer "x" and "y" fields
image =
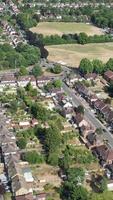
{"x": 72, "y": 54}
{"x": 59, "y": 28}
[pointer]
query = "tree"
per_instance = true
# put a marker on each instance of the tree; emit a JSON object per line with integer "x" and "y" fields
{"x": 23, "y": 71}
{"x": 110, "y": 89}
{"x": 70, "y": 191}
{"x": 100, "y": 182}
{"x": 39, "y": 112}
{"x": 99, "y": 131}
{"x": 57, "y": 69}
{"x": 57, "y": 83}
{"x": 22, "y": 142}
{"x": 86, "y": 66}
{"x": 82, "y": 38}
{"x": 80, "y": 109}
{"x": 52, "y": 144}
{"x": 33, "y": 157}
{"x": 29, "y": 52}
{"x": 37, "y": 71}
{"x": 75, "y": 175}
{"x": 109, "y": 64}
{"x": 98, "y": 66}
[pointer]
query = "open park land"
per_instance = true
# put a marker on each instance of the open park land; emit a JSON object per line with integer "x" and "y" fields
{"x": 71, "y": 54}
{"x": 59, "y": 28}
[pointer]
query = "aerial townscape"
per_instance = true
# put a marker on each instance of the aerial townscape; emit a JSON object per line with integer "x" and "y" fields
{"x": 56, "y": 100}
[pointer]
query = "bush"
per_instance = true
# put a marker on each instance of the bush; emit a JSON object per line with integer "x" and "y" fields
{"x": 33, "y": 157}
{"x": 22, "y": 142}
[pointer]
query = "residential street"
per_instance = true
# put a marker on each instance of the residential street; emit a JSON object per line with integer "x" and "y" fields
{"x": 88, "y": 114}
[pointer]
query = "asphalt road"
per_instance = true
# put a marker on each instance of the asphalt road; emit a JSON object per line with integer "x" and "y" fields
{"x": 89, "y": 115}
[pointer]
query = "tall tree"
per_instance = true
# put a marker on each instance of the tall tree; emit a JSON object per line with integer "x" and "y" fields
{"x": 86, "y": 66}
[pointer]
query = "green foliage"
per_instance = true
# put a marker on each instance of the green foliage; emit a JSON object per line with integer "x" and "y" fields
{"x": 22, "y": 142}
{"x": 109, "y": 64}
{"x": 33, "y": 157}
{"x": 37, "y": 71}
{"x": 70, "y": 191}
{"x": 22, "y": 56}
{"x": 75, "y": 175}
{"x": 98, "y": 66}
{"x": 86, "y": 66}
{"x": 52, "y": 144}
{"x": 57, "y": 83}
{"x": 100, "y": 182}
{"x": 80, "y": 109}
{"x": 29, "y": 52}
{"x": 74, "y": 155}
{"x": 23, "y": 71}
{"x": 26, "y": 20}
{"x": 40, "y": 112}
{"x": 83, "y": 38}
{"x": 109, "y": 89}
{"x": 57, "y": 69}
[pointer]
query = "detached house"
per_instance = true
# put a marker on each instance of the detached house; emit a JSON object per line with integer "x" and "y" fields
{"x": 8, "y": 80}
{"x": 22, "y": 81}
{"x": 43, "y": 80}
{"x": 91, "y": 76}
{"x": 104, "y": 154}
{"x": 108, "y": 76}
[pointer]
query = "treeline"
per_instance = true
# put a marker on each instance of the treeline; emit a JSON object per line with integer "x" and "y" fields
{"x": 81, "y": 38}
{"x": 23, "y": 55}
{"x": 96, "y": 66}
{"x": 27, "y": 19}
{"x": 103, "y": 18}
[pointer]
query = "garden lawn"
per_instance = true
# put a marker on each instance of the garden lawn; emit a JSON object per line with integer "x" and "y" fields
{"x": 59, "y": 28}
{"x": 71, "y": 54}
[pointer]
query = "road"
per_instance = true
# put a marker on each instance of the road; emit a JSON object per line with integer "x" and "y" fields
{"x": 89, "y": 115}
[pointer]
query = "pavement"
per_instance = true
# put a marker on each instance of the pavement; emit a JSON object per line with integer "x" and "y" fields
{"x": 88, "y": 114}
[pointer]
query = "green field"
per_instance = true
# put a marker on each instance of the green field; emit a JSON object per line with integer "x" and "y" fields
{"x": 52, "y": 28}
{"x": 72, "y": 54}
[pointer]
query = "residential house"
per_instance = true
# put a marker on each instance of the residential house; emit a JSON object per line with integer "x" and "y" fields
{"x": 79, "y": 120}
{"x": 104, "y": 154}
{"x": 9, "y": 149}
{"x": 92, "y": 98}
{"x": 22, "y": 81}
{"x": 24, "y": 124}
{"x": 93, "y": 140}
{"x": 28, "y": 196}
{"x": 8, "y": 80}
{"x": 67, "y": 112}
{"x": 91, "y": 76}
{"x": 41, "y": 196}
{"x": 108, "y": 75}
{"x": 83, "y": 90}
{"x": 43, "y": 80}
{"x": 19, "y": 186}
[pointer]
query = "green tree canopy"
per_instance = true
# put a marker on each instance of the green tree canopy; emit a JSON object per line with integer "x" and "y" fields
{"x": 98, "y": 66}
{"x": 37, "y": 71}
{"x": 22, "y": 142}
{"x": 23, "y": 71}
{"x": 86, "y": 66}
{"x": 57, "y": 69}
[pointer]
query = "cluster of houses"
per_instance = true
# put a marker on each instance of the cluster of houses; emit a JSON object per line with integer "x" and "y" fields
{"x": 108, "y": 75}
{"x": 73, "y": 78}
{"x": 97, "y": 104}
{"x": 16, "y": 175}
{"x": 21, "y": 81}
{"x": 14, "y": 36}
{"x": 13, "y": 7}
{"x": 90, "y": 138}
{"x": 2, "y": 7}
